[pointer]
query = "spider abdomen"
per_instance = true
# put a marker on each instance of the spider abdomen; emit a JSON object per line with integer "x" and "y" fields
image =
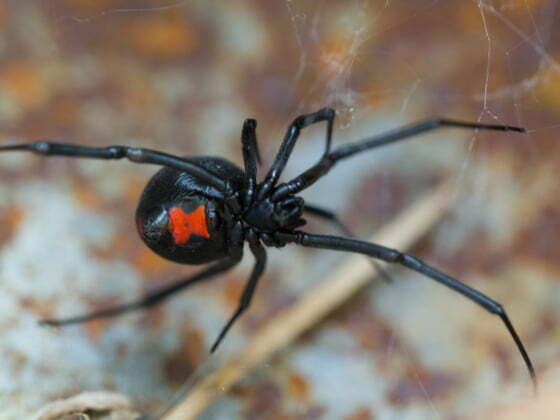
{"x": 178, "y": 216}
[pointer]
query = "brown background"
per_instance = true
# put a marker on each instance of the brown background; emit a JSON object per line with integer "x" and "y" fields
{"x": 181, "y": 76}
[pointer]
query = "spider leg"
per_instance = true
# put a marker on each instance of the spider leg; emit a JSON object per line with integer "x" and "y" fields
{"x": 249, "y": 142}
{"x": 260, "y": 256}
{"x": 332, "y": 217}
{"x": 329, "y": 216}
{"x": 393, "y": 256}
{"x": 251, "y": 156}
{"x": 157, "y": 296}
{"x": 135, "y": 155}
{"x": 329, "y": 159}
{"x": 292, "y": 134}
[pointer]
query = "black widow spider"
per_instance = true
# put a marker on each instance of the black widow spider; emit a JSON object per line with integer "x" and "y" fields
{"x": 201, "y": 209}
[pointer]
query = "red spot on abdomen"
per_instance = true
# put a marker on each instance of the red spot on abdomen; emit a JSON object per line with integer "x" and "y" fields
{"x": 182, "y": 225}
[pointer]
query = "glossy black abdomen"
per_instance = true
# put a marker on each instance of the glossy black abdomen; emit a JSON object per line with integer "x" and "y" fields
{"x": 178, "y": 216}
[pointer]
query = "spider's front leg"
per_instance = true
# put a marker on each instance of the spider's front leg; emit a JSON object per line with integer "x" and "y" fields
{"x": 287, "y": 146}
{"x": 393, "y": 256}
{"x": 260, "y": 263}
{"x": 251, "y": 156}
{"x": 332, "y": 217}
{"x": 321, "y": 168}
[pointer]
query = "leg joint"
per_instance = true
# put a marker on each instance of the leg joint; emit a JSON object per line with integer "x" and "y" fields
{"x": 133, "y": 154}
{"x": 42, "y": 147}
{"x": 329, "y": 113}
{"x": 498, "y": 309}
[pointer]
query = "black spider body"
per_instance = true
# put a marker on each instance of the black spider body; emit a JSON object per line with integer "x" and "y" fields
{"x": 172, "y": 188}
{"x": 198, "y": 210}
{"x": 210, "y": 228}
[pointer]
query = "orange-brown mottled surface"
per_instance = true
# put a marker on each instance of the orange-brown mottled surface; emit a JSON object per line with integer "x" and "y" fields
{"x": 181, "y": 76}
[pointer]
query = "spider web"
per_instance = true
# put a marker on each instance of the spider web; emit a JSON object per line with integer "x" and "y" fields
{"x": 181, "y": 76}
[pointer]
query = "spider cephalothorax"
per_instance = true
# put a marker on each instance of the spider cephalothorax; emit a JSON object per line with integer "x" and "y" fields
{"x": 180, "y": 219}
{"x": 201, "y": 209}
{"x": 269, "y": 216}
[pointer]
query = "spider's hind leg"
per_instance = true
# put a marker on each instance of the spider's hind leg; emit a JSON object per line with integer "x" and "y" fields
{"x": 154, "y": 298}
{"x": 133, "y": 154}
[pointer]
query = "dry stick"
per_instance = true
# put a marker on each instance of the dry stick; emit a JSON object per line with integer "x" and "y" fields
{"x": 315, "y": 305}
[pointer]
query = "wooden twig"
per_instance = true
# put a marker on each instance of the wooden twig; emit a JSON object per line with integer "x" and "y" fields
{"x": 315, "y": 305}
{"x": 103, "y": 403}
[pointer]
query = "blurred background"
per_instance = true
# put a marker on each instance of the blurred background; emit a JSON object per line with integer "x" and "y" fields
{"x": 181, "y": 76}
